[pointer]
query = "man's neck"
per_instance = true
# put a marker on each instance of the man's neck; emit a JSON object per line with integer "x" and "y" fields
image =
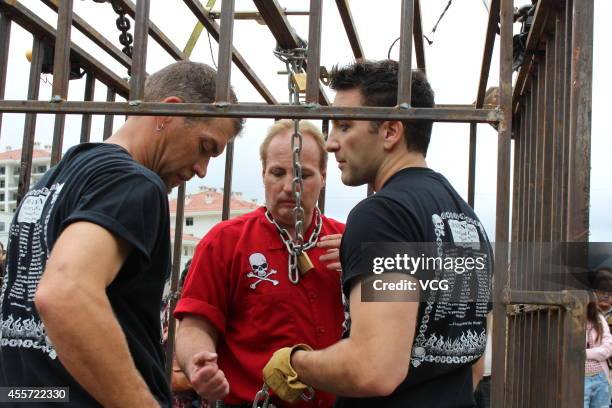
{"x": 395, "y": 163}
{"x": 291, "y": 227}
{"x": 128, "y": 137}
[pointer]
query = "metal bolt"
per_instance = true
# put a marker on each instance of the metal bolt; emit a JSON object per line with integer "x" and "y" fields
{"x": 222, "y": 104}
{"x": 56, "y": 99}
{"x": 404, "y": 105}
{"x": 135, "y": 102}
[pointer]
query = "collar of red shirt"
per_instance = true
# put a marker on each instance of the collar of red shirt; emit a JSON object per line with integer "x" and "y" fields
{"x": 275, "y": 241}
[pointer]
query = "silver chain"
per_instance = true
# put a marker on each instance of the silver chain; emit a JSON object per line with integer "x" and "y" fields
{"x": 295, "y": 251}
{"x": 294, "y": 61}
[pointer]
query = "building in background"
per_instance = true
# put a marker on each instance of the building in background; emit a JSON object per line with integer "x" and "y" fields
{"x": 10, "y": 164}
{"x": 203, "y": 211}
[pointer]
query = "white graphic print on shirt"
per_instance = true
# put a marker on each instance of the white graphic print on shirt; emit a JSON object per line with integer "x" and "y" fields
{"x": 29, "y": 232}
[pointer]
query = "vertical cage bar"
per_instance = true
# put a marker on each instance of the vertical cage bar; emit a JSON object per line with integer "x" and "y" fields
{"x": 90, "y": 87}
{"x": 108, "y": 119}
{"x": 176, "y": 266}
{"x": 139, "y": 59}
{"x": 502, "y": 204}
{"x": 472, "y": 166}
{"x": 417, "y": 31}
{"x": 405, "y": 61}
{"x": 225, "y": 51}
{"x": 580, "y": 120}
{"x": 325, "y": 131}
{"x": 29, "y": 128}
{"x": 223, "y": 93}
{"x": 314, "y": 51}
{"x": 569, "y": 5}
{"x": 61, "y": 73}
{"x": 5, "y": 40}
{"x": 558, "y": 110}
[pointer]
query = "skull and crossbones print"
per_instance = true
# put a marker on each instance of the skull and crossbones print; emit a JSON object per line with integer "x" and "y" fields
{"x": 259, "y": 270}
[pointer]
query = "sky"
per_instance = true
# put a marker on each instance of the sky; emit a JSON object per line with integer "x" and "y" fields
{"x": 453, "y": 69}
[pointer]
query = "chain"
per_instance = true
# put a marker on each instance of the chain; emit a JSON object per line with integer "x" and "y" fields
{"x": 292, "y": 248}
{"x": 123, "y": 24}
{"x": 294, "y": 61}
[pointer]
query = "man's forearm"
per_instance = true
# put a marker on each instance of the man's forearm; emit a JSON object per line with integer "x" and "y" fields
{"x": 193, "y": 336}
{"x": 340, "y": 369}
{"x": 91, "y": 345}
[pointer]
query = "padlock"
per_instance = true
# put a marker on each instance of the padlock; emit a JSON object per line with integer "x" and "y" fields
{"x": 299, "y": 80}
{"x": 304, "y": 263}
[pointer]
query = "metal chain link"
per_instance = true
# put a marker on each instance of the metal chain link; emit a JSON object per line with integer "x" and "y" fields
{"x": 123, "y": 24}
{"x": 292, "y": 264}
{"x": 294, "y": 61}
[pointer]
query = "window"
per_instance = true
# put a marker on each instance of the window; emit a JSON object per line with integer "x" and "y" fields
{"x": 1, "y": 196}
{"x": 2, "y": 183}
{"x": 2, "y": 226}
{"x": 2, "y": 170}
{"x": 189, "y": 221}
{"x": 13, "y": 196}
{"x": 41, "y": 169}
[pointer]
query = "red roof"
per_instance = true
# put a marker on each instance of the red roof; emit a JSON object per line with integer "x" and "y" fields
{"x": 212, "y": 200}
{"x": 186, "y": 237}
{"x": 16, "y": 154}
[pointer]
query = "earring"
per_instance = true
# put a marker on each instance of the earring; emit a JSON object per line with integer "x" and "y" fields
{"x": 159, "y": 128}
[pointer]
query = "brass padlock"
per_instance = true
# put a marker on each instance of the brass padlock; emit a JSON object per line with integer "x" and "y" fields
{"x": 299, "y": 80}
{"x": 304, "y": 263}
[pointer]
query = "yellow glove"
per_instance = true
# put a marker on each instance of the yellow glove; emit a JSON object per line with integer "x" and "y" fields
{"x": 281, "y": 377}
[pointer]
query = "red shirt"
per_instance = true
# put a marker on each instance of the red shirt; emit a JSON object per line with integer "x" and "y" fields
{"x": 255, "y": 322}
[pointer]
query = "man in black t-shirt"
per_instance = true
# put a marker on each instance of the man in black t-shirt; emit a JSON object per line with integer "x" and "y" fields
{"x": 418, "y": 351}
{"x": 89, "y": 252}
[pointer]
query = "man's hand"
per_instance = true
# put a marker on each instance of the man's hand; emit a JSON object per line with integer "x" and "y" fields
{"x": 281, "y": 377}
{"x": 332, "y": 244}
{"x": 206, "y": 377}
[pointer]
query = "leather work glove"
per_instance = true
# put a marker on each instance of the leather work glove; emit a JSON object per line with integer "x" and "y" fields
{"x": 281, "y": 377}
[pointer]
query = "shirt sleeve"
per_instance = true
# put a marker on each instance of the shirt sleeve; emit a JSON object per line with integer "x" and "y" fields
{"x": 207, "y": 287}
{"x": 370, "y": 225}
{"x": 129, "y": 205}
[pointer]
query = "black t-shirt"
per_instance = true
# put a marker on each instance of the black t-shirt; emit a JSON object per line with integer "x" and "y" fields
{"x": 419, "y": 205}
{"x": 98, "y": 183}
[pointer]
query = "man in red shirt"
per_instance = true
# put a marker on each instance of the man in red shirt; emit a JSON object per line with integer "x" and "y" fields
{"x": 242, "y": 300}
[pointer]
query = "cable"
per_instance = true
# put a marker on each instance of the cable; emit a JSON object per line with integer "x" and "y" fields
{"x": 433, "y": 30}
{"x": 391, "y": 47}
{"x": 212, "y": 55}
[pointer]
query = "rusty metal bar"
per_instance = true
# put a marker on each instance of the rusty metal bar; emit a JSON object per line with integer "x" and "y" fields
{"x": 5, "y": 39}
{"x": 225, "y": 52}
{"x": 580, "y": 121}
{"x": 546, "y": 210}
{"x": 139, "y": 59}
{"x": 108, "y": 119}
{"x": 90, "y": 87}
{"x": 284, "y": 34}
{"x": 512, "y": 355}
{"x": 417, "y": 31}
{"x": 516, "y": 181}
{"x": 574, "y": 334}
{"x": 253, "y": 15}
{"x": 482, "y": 87}
{"x": 94, "y": 36}
{"x": 223, "y": 93}
{"x": 61, "y": 74}
{"x": 29, "y": 127}
{"x": 472, "y": 165}
{"x": 349, "y": 27}
{"x": 213, "y": 28}
{"x": 321, "y": 201}
{"x": 502, "y": 202}
{"x": 40, "y": 29}
{"x": 405, "y": 60}
{"x": 254, "y": 111}
{"x": 154, "y": 31}
{"x": 314, "y": 50}
{"x": 174, "y": 279}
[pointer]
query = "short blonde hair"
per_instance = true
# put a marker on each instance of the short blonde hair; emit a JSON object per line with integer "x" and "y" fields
{"x": 306, "y": 127}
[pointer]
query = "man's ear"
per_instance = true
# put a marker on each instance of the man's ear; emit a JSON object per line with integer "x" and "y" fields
{"x": 170, "y": 99}
{"x": 392, "y": 132}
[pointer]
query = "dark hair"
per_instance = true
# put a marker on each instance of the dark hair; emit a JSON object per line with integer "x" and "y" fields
{"x": 377, "y": 81}
{"x": 193, "y": 82}
{"x": 593, "y": 318}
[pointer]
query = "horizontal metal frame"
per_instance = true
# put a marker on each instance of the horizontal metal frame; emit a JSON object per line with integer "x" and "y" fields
{"x": 566, "y": 298}
{"x": 21, "y": 15}
{"x": 247, "y": 110}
